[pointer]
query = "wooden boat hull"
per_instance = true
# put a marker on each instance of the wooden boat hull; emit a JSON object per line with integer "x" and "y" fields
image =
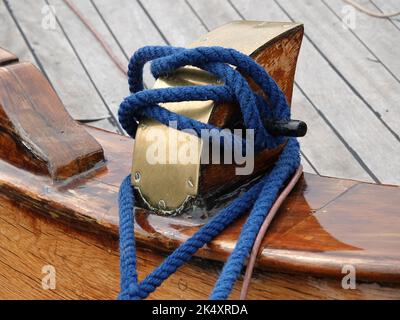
{"x": 87, "y": 267}
{"x": 312, "y": 238}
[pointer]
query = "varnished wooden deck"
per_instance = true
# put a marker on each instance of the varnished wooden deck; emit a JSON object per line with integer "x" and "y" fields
{"x": 347, "y": 83}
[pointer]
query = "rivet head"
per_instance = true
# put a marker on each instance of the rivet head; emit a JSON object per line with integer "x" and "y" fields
{"x": 161, "y": 204}
{"x": 137, "y": 176}
{"x": 190, "y": 183}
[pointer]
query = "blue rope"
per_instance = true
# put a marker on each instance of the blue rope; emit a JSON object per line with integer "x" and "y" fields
{"x": 143, "y": 103}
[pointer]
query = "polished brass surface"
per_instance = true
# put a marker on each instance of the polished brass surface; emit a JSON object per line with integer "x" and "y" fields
{"x": 167, "y": 187}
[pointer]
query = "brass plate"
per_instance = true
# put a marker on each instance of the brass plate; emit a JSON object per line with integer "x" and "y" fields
{"x": 166, "y": 188}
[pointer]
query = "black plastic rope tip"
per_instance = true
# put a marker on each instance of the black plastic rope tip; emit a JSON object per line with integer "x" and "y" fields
{"x": 291, "y": 128}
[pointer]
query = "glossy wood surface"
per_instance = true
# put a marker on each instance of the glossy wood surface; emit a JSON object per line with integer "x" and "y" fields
{"x": 7, "y": 57}
{"x": 36, "y": 132}
{"x": 325, "y": 223}
{"x": 87, "y": 267}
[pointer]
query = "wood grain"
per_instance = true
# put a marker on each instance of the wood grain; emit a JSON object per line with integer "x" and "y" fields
{"x": 330, "y": 234}
{"x": 87, "y": 267}
{"x": 36, "y": 132}
{"x": 60, "y": 62}
{"x": 367, "y": 64}
{"x": 160, "y": 12}
{"x": 136, "y": 31}
{"x": 388, "y": 6}
{"x": 110, "y": 81}
{"x": 377, "y": 35}
{"x": 11, "y": 38}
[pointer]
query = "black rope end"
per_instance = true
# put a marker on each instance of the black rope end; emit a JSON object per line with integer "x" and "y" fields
{"x": 291, "y": 128}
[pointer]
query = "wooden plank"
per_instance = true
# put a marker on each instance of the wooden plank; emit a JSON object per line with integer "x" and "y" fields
{"x": 307, "y": 167}
{"x": 381, "y": 36}
{"x": 176, "y": 21}
{"x": 87, "y": 267}
{"x": 36, "y": 130}
{"x": 320, "y": 139}
{"x": 220, "y": 13}
{"x": 365, "y": 136}
{"x": 11, "y": 38}
{"x": 62, "y": 66}
{"x": 359, "y": 66}
{"x": 389, "y": 6}
{"x": 131, "y": 26}
{"x": 111, "y": 83}
{"x": 326, "y": 208}
{"x": 105, "y": 124}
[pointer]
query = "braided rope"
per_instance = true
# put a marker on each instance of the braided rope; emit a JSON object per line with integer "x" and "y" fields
{"x": 259, "y": 198}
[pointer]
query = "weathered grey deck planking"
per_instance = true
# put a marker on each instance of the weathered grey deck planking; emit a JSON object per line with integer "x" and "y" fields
{"x": 388, "y": 6}
{"x": 340, "y": 163}
{"x": 353, "y": 59}
{"x": 222, "y": 11}
{"x": 60, "y": 62}
{"x": 10, "y": 37}
{"x": 131, "y": 26}
{"x": 364, "y": 135}
{"x": 345, "y": 136}
{"x": 322, "y": 147}
{"x": 381, "y": 36}
{"x": 176, "y": 20}
{"x": 110, "y": 82}
{"x": 104, "y": 124}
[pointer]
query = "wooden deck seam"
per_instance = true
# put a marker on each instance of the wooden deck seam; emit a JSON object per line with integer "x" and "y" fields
{"x": 390, "y": 19}
{"x": 197, "y": 15}
{"x": 303, "y": 155}
{"x": 25, "y": 38}
{"x": 355, "y": 155}
{"x": 340, "y": 74}
{"x": 364, "y": 44}
{"x": 153, "y": 22}
{"x": 110, "y": 30}
{"x": 111, "y": 115}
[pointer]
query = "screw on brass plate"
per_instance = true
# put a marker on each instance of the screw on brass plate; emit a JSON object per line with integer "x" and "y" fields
{"x": 161, "y": 204}
{"x": 137, "y": 176}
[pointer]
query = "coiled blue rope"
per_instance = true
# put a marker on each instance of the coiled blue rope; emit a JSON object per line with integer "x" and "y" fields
{"x": 143, "y": 103}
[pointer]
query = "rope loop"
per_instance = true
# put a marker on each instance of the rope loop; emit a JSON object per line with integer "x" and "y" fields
{"x": 255, "y": 108}
{"x": 217, "y": 61}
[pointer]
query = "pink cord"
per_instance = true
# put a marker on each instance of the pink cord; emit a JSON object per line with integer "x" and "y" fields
{"x": 263, "y": 230}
